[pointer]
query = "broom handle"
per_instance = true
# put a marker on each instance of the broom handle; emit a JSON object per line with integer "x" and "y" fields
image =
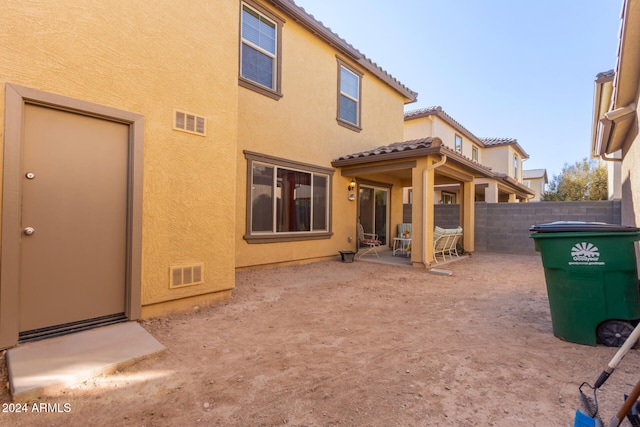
{"x": 622, "y": 413}
{"x": 613, "y": 364}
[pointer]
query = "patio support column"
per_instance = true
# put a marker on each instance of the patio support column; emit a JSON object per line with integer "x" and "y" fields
{"x": 422, "y": 212}
{"x": 467, "y": 215}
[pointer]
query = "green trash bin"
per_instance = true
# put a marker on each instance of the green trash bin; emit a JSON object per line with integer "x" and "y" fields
{"x": 591, "y": 275}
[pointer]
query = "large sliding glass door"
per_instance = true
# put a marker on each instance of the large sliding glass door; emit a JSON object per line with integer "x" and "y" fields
{"x": 373, "y": 211}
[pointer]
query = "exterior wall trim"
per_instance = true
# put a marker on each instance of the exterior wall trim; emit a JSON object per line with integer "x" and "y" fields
{"x": 15, "y": 99}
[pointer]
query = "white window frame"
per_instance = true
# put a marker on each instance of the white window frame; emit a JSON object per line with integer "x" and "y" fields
{"x": 458, "y": 143}
{"x": 357, "y": 126}
{"x": 274, "y": 91}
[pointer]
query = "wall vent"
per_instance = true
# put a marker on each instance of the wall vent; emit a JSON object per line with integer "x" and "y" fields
{"x": 186, "y": 275}
{"x": 189, "y": 122}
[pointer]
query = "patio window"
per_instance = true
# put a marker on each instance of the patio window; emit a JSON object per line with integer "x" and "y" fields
{"x": 448, "y": 198}
{"x": 349, "y": 87}
{"x": 259, "y": 51}
{"x": 287, "y": 200}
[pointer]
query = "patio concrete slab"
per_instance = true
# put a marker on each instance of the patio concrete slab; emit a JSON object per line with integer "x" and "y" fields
{"x": 52, "y": 364}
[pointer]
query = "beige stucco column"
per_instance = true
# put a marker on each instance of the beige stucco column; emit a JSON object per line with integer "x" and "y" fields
{"x": 467, "y": 214}
{"x": 513, "y": 198}
{"x": 422, "y": 213}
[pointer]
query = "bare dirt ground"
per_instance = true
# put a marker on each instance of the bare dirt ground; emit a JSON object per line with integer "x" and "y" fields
{"x": 356, "y": 344}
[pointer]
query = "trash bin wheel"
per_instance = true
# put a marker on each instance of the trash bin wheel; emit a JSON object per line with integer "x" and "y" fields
{"x": 613, "y": 333}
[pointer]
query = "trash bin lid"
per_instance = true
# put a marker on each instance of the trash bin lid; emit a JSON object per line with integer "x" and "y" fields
{"x": 578, "y": 226}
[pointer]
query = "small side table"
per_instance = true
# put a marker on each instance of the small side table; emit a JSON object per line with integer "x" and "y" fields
{"x": 401, "y": 245}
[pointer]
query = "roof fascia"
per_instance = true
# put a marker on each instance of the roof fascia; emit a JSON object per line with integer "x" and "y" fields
{"x": 452, "y": 157}
{"x": 603, "y": 89}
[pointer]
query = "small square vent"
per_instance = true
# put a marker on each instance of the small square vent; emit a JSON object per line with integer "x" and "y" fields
{"x": 189, "y": 122}
{"x": 186, "y": 275}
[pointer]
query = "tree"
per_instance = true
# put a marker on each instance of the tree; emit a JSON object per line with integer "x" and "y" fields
{"x": 585, "y": 180}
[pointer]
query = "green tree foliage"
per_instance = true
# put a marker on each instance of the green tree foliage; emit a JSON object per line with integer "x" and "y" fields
{"x": 585, "y": 180}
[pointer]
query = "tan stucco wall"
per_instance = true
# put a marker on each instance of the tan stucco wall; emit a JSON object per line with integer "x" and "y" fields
{"x": 500, "y": 159}
{"x": 127, "y": 55}
{"x": 432, "y": 126}
{"x": 630, "y": 178}
{"x": 418, "y": 128}
{"x": 302, "y": 126}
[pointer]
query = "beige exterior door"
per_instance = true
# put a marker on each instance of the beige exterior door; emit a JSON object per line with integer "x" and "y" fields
{"x": 73, "y": 248}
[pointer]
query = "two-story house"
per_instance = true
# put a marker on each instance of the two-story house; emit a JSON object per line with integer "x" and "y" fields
{"x": 536, "y": 180}
{"x": 150, "y": 150}
{"x": 504, "y": 156}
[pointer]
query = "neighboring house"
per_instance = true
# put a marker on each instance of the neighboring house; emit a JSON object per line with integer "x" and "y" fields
{"x": 503, "y": 156}
{"x": 536, "y": 180}
{"x": 615, "y": 135}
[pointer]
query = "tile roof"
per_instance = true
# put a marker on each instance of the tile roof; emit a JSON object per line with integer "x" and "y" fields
{"x": 438, "y": 111}
{"x": 533, "y": 173}
{"x": 496, "y": 142}
{"x": 396, "y": 147}
{"x": 411, "y": 148}
{"x": 319, "y": 29}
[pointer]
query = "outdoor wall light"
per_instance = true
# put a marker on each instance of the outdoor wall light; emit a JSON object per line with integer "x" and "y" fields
{"x": 350, "y": 188}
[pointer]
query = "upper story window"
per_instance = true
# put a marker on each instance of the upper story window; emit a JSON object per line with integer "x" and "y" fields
{"x": 349, "y": 88}
{"x": 516, "y": 165}
{"x": 458, "y": 143}
{"x": 474, "y": 154}
{"x": 259, "y": 51}
{"x": 286, "y": 200}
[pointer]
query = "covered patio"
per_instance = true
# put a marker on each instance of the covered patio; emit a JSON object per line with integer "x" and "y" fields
{"x": 421, "y": 164}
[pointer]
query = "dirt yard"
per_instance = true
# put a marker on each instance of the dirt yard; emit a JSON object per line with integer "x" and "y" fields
{"x": 356, "y": 344}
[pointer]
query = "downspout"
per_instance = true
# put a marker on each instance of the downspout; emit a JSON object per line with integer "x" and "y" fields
{"x": 424, "y": 206}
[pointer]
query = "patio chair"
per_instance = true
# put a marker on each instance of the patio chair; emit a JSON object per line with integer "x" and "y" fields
{"x": 445, "y": 241}
{"x": 368, "y": 240}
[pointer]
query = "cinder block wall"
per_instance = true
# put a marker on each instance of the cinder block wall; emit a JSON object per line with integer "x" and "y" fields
{"x": 504, "y": 227}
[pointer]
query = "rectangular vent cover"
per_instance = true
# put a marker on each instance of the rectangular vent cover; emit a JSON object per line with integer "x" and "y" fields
{"x": 186, "y": 275}
{"x": 189, "y": 122}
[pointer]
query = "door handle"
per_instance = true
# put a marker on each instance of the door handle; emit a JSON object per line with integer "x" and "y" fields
{"x": 29, "y": 231}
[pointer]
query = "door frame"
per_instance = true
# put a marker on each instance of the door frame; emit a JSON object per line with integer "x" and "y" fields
{"x": 378, "y": 186}
{"x": 15, "y": 99}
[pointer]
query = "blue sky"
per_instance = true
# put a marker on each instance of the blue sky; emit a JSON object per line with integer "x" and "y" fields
{"x": 522, "y": 69}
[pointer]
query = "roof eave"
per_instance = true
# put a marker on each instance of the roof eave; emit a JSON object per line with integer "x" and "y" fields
{"x": 452, "y": 156}
{"x": 317, "y": 28}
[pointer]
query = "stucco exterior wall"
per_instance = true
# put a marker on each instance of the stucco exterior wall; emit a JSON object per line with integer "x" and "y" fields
{"x": 302, "y": 126}
{"x": 431, "y": 126}
{"x": 629, "y": 176}
{"x": 499, "y": 159}
{"x": 125, "y": 54}
{"x": 418, "y": 128}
